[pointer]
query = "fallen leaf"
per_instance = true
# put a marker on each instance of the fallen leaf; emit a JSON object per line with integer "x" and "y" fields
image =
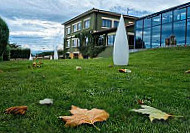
{"x": 78, "y": 68}
{"x": 16, "y": 110}
{"x": 1, "y": 71}
{"x": 153, "y": 113}
{"x": 46, "y": 101}
{"x": 81, "y": 116}
{"x": 140, "y": 101}
{"x": 124, "y": 71}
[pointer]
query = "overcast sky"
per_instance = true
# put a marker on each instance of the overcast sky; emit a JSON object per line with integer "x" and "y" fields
{"x": 37, "y": 23}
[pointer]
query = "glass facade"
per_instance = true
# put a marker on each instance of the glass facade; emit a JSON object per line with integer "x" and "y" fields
{"x": 169, "y": 27}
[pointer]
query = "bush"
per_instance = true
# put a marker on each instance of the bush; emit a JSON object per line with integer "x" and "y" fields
{"x": 20, "y": 53}
{"x": 6, "y": 55}
{"x": 4, "y": 37}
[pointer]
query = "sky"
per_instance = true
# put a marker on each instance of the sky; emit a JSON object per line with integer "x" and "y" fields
{"x": 36, "y": 24}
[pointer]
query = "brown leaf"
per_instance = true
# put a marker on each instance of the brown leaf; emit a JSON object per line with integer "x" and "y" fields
{"x": 81, "y": 116}
{"x": 187, "y": 71}
{"x": 16, "y": 110}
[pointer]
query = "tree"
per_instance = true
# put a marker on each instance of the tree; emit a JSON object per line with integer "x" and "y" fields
{"x": 4, "y": 37}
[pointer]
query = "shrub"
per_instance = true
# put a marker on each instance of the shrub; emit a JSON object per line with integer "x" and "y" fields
{"x": 6, "y": 55}
{"x": 4, "y": 37}
{"x": 20, "y": 53}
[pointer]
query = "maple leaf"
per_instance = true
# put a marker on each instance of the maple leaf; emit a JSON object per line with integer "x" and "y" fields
{"x": 81, "y": 116}
{"x": 16, "y": 110}
{"x": 153, "y": 113}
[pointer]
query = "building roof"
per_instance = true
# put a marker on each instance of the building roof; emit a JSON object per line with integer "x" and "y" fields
{"x": 98, "y": 11}
{"x": 166, "y": 10}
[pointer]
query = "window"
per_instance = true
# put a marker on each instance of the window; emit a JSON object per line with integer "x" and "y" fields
{"x": 147, "y": 22}
{"x": 78, "y": 42}
{"x": 188, "y": 32}
{"x": 167, "y": 17}
{"x": 188, "y": 12}
{"x": 106, "y": 23}
{"x": 156, "y": 36}
{"x": 75, "y": 42}
{"x": 116, "y": 23}
{"x": 78, "y": 26}
{"x": 68, "y": 44}
{"x": 179, "y": 32}
{"x": 180, "y": 14}
{"x": 166, "y": 32}
{"x": 68, "y": 30}
{"x": 146, "y": 37}
{"x": 111, "y": 39}
{"x": 139, "y": 24}
{"x": 87, "y": 24}
{"x": 156, "y": 20}
{"x": 138, "y": 39}
{"x": 74, "y": 28}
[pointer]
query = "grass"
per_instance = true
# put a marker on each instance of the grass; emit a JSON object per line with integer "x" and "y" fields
{"x": 157, "y": 75}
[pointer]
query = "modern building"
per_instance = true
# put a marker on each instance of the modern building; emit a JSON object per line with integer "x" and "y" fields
{"x": 168, "y": 27}
{"x": 99, "y": 22}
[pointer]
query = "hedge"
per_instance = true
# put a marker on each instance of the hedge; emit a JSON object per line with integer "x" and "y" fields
{"x": 20, "y": 53}
{"x": 4, "y": 37}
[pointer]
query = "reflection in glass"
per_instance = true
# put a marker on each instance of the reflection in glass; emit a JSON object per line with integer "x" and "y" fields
{"x": 188, "y": 12}
{"x": 138, "y": 39}
{"x": 147, "y": 22}
{"x": 167, "y": 17}
{"x": 139, "y": 24}
{"x": 180, "y": 14}
{"x": 156, "y": 36}
{"x": 146, "y": 37}
{"x": 179, "y": 32}
{"x": 166, "y": 32}
{"x": 156, "y": 20}
{"x": 188, "y": 32}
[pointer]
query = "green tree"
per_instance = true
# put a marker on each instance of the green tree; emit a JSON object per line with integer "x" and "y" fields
{"x": 4, "y": 37}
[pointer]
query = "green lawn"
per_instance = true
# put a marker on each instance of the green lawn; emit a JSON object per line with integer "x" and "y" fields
{"x": 157, "y": 75}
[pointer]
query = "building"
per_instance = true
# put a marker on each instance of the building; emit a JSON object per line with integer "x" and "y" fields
{"x": 99, "y": 22}
{"x": 168, "y": 27}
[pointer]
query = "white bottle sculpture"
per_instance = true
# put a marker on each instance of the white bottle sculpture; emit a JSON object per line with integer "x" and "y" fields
{"x": 121, "y": 47}
{"x": 30, "y": 58}
{"x": 55, "y": 53}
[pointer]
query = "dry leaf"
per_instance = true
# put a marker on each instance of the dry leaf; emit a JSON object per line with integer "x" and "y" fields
{"x": 81, "y": 116}
{"x": 16, "y": 110}
{"x": 152, "y": 112}
{"x": 124, "y": 71}
{"x": 78, "y": 68}
{"x": 187, "y": 71}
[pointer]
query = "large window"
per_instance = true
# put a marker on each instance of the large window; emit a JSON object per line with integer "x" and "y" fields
{"x": 68, "y": 30}
{"x": 179, "y": 32}
{"x": 138, "y": 39}
{"x": 77, "y": 27}
{"x": 68, "y": 43}
{"x": 106, "y": 23}
{"x": 111, "y": 39}
{"x": 146, "y": 37}
{"x": 156, "y": 20}
{"x": 188, "y": 32}
{"x": 167, "y": 17}
{"x": 139, "y": 24}
{"x": 147, "y": 22}
{"x": 116, "y": 23}
{"x": 179, "y": 14}
{"x": 188, "y": 12}
{"x": 87, "y": 23}
{"x": 166, "y": 32}
{"x": 156, "y": 36}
